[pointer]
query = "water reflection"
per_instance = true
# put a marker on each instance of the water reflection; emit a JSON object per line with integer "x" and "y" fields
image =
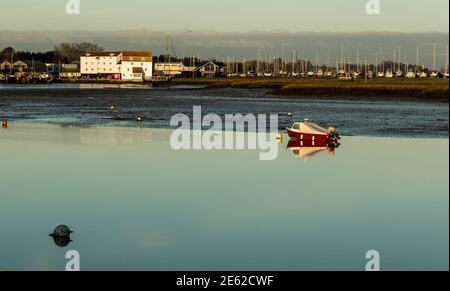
{"x": 137, "y": 204}
{"x": 307, "y": 149}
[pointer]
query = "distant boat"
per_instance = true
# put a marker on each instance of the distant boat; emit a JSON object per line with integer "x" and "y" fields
{"x": 380, "y": 74}
{"x": 389, "y": 74}
{"x": 434, "y": 74}
{"x": 399, "y": 74}
{"x": 309, "y": 131}
{"x": 320, "y": 73}
{"x": 422, "y": 75}
{"x": 311, "y": 74}
{"x": 410, "y": 75}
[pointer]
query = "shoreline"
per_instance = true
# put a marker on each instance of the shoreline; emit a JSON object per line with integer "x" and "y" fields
{"x": 426, "y": 90}
{"x": 420, "y": 90}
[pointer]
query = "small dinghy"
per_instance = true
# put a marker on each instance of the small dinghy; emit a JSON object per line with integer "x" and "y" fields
{"x": 309, "y": 131}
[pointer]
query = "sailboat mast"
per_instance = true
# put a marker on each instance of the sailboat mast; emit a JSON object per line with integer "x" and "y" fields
{"x": 357, "y": 60}
{"x": 446, "y": 60}
{"x": 417, "y": 58}
{"x": 434, "y": 57}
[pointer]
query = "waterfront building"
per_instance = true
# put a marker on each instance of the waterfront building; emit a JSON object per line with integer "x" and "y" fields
{"x": 124, "y": 65}
{"x": 19, "y": 65}
{"x": 5, "y": 65}
{"x": 211, "y": 69}
{"x": 172, "y": 69}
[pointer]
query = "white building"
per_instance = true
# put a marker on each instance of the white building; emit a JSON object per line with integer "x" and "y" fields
{"x": 170, "y": 69}
{"x": 125, "y": 65}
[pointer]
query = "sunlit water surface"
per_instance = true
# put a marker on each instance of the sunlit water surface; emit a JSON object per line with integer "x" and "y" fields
{"x": 136, "y": 204}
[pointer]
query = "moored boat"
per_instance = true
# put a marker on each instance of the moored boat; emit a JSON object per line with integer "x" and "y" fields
{"x": 309, "y": 131}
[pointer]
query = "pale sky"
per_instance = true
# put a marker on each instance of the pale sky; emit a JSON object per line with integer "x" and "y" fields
{"x": 227, "y": 15}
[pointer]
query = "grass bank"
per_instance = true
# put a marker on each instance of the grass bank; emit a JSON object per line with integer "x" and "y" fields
{"x": 422, "y": 89}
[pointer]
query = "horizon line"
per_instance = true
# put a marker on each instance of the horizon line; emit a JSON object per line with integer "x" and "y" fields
{"x": 186, "y": 30}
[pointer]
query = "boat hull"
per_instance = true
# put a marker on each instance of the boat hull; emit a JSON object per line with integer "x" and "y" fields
{"x": 297, "y": 135}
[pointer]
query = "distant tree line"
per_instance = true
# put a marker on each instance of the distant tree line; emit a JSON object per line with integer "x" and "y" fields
{"x": 64, "y": 53}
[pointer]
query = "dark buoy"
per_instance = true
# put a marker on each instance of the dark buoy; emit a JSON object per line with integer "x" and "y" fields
{"x": 4, "y": 124}
{"x": 61, "y": 231}
{"x": 61, "y": 235}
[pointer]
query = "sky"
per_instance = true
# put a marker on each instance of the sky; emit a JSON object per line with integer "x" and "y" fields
{"x": 227, "y": 15}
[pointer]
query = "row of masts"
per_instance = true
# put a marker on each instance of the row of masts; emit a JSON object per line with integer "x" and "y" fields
{"x": 343, "y": 65}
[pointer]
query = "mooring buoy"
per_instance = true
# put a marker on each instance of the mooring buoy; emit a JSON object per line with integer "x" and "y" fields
{"x": 4, "y": 124}
{"x": 61, "y": 231}
{"x": 280, "y": 138}
{"x": 61, "y": 236}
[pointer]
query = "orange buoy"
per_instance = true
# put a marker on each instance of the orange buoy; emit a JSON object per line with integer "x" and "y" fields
{"x": 4, "y": 124}
{"x": 280, "y": 138}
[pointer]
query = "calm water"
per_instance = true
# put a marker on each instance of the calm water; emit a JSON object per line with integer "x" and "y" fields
{"x": 135, "y": 204}
{"x": 87, "y": 104}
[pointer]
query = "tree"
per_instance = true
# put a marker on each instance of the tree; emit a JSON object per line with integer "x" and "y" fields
{"x": 7, "y": 53}
{"x": 70, "y": 52}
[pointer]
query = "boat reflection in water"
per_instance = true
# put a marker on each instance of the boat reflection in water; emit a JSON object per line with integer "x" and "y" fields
{"x": 308, "y": 148}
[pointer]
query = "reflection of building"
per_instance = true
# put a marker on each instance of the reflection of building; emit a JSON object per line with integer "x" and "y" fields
{"x": 115, "y": 136}
{"x": 125, "y": 65}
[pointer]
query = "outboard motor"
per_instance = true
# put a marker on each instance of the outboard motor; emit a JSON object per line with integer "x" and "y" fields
{"x": 334, "y": 140}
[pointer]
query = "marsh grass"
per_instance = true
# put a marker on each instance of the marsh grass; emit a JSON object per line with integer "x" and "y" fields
{"x": 427, "y": 89}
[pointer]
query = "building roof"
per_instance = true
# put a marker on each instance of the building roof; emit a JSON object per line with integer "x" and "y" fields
{"x": 147, "y": 54}
{"x": 220, "y": 65}
{"x": 101, "y": 54}
{"x": 21, "y": 63}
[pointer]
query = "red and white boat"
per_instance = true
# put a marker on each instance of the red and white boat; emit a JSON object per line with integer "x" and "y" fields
{"x": 309, "y": 131}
